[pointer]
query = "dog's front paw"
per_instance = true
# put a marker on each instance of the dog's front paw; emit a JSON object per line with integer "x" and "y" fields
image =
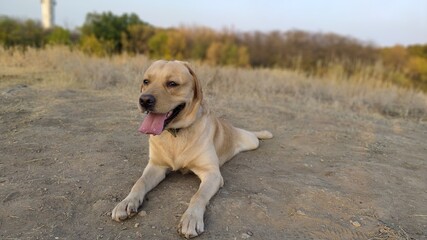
{"x": 126, "y": 208}
{"x": 191, "y": 224}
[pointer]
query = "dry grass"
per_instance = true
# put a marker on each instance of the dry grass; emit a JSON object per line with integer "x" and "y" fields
{"x": 60, "y": 67}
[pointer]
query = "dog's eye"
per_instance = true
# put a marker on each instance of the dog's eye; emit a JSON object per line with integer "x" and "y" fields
{"x": 146, "y": 81}
{"x": 172, "y": 84}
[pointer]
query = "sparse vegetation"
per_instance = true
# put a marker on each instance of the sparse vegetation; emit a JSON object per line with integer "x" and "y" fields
{"x": 361, "y": 92}
{"x": 318, "y": 55}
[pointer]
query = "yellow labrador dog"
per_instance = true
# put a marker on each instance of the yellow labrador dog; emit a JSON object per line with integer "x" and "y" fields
{"x": 194, "y": 140}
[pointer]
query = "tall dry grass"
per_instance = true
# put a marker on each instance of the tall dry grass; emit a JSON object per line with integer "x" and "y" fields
{"x": 61, "y": 67}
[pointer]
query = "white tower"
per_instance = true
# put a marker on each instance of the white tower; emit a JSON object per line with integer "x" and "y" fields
{"x": 47, "y": 13}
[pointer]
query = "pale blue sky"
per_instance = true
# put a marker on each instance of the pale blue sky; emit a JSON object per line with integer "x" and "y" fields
{"x": 384, "y": 22}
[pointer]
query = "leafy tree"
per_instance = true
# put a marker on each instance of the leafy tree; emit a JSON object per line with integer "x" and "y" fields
{"x": 135, "y": 39}
{"x": 158, "y": 45}
{"x": 107, "y": 27}
{"x": 242, "y": 57}
{"x": 59, "y": 36}
{"x": 418, "y": 50}
{"x": 417, "y": 65}
{"x": 213, "y": 55}
{"x": 395, "y": 57}
{"x": 91, "y": 45}
{"x": 227, "y": 54}
{"x": 176, "y": 44}
{"x": 198, "y": 41}
{"x": 416, "y": 70}
{"x": 22, "y": 34}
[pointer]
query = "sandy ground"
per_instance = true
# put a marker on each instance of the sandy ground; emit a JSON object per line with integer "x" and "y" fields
{"x": 68, "y": 156}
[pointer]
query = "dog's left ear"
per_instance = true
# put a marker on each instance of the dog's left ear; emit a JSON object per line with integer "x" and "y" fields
{"x": 198, "y": 94}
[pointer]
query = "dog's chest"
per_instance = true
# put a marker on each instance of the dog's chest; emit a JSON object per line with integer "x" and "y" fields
{"x": 176, "y": 153}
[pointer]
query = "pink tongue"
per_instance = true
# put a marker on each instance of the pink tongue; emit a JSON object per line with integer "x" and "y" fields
{"x": 153, "y": 123}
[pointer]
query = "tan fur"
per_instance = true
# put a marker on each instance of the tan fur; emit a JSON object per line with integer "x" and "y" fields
{"x": 202, "y": 145}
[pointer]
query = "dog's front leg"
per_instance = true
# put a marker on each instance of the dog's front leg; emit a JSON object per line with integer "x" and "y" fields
{"x": 191, "y": 224}
{"x": 150, "y": 178}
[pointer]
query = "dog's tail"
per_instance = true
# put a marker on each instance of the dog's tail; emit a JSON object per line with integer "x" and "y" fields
{"x": 263, "y": 134}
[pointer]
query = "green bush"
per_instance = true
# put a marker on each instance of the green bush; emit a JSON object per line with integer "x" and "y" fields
{"x": 59, "y": 36}
{"x": 21, "y": 34}
{"x": 93, "y": 46}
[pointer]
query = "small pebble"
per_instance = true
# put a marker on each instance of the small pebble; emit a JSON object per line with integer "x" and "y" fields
{"x": 142, "y": 213}
{"x": 355, "y": 223}
{"x": 136, "y": 225}
{"x": 299, "y": 212}
{"x": 245, "y": 236}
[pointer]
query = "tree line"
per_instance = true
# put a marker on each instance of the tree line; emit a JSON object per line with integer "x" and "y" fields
{"x": 106, "y": 34}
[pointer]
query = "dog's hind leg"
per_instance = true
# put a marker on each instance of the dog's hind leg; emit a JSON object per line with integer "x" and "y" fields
{"x": 247, "y": 140}
{"x": 263, "y": 134}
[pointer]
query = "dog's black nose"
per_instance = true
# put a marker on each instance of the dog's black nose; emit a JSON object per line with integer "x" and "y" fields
{"x": 147, "y": 101}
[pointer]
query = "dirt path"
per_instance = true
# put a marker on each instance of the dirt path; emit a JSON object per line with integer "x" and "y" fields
{"x": 67, "y": 156}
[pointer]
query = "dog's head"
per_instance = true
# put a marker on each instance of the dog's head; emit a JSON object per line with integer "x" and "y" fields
{"x": 170, "y": 95}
